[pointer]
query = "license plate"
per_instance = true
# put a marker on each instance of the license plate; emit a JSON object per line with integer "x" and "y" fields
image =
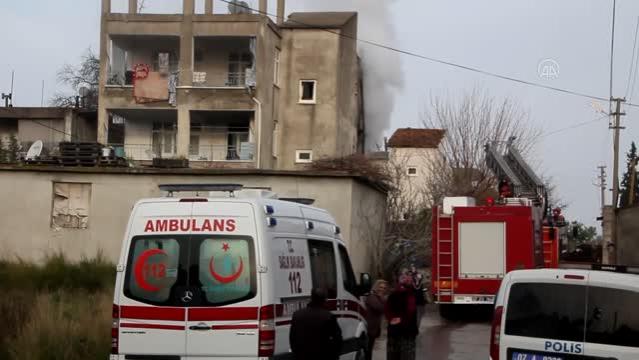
{"x": 529, "y": 356}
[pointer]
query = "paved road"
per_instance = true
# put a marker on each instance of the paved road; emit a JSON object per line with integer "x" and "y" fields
{"x": 440, "y": 339}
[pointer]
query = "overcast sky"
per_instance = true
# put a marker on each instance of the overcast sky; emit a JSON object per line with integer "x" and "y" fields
{"x": 501, "y": 36}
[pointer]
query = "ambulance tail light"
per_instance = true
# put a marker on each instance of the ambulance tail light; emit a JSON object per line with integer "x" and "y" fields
{"x": 266, "y": 345}
{"x": 495, "y": 333}
{"x": 115, "y": 330}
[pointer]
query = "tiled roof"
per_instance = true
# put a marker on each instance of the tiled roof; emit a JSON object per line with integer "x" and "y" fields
{"x": 416, "y": 138}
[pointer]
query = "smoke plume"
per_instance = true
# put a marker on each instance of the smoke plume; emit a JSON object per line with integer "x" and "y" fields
{"x": 382, "y": 68}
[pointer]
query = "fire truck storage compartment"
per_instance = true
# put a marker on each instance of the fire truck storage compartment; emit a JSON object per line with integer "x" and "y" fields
{"x": 487, "y": 239}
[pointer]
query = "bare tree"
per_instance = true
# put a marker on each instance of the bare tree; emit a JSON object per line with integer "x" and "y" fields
{"x": 140, "y": 6}
{"x": 471, "y": 121}
{"x": 85, "y": 75}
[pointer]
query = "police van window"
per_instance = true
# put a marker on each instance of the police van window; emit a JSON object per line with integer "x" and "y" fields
{"x": 613, "y": 318}
{"x": 549, "y": 311}
{"x": 226, "y": 270}
{"x": 323, "y": 269}
{"x": 350, "y": 284}
{"x": 154, "y": 269}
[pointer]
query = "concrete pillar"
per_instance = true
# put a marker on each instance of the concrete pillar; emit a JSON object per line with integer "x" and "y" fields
{"x": 106, "y": 6}
{"x": 103, "y": 118}
{"x": 68, "y": 125}
{"x": 186, "y": 46}
{"x": 183, "y": 131}
{"x": 133, "y": 6}
{"x": 281, "y": 9}
{"x": 103, "y": 125}
{"x": 188, "y": 7}
{"x": 263, "y": 7}
{"x": 208, "y": 6}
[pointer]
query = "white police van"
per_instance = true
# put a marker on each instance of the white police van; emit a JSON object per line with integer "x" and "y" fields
{"x": 567, "y": 314}
{"x": 219, "y": 277}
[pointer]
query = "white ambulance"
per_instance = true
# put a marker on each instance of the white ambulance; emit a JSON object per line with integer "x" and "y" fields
{"x": 567, "y": 314}
{"x": 219, "y": 277}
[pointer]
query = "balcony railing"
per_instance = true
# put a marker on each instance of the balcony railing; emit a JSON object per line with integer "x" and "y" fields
{"x": 228, "y": 79}
{"x": 139, "y": 151}
{"x": 242, "y": 152}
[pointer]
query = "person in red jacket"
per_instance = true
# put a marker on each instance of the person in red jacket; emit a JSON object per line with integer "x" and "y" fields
{"x": 401, "y": 313}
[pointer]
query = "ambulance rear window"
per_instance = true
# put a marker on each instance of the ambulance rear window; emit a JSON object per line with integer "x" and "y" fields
{"x": 153, "y": 269}
{"x": 211, "y": 270}
{"x": 226, "y": 270}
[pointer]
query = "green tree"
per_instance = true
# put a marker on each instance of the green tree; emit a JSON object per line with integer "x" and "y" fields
{"x": 624, "y": 193}
{"x": 582, "y": 233}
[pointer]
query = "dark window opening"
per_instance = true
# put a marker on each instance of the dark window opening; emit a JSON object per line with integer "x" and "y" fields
{"x": 350, "y": 283}
{"x": 323, "y": 270}
{"x": 308, "y": 90}
{"x": 612, "y": 317}
{"x": 550, "y": 311}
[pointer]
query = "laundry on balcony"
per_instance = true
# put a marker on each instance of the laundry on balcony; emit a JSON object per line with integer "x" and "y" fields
{"x": 199, "y": 78}
{"x": 149, "y": 86}
{"x": 173, "y": 82}
{"x": 163, "y": 63}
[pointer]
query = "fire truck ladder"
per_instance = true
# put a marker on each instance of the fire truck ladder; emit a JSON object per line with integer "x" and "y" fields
{"x": 445, "y": 257}
{"x": 509, "y": 164}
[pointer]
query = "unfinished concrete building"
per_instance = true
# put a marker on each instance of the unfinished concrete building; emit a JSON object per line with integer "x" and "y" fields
{"x": 230, "y": 88}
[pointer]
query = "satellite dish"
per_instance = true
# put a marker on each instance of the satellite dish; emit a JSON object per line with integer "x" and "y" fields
{"x": 239, "y": 7}
{"x": 35, "y": 150}
{"x": 84, "y": 91}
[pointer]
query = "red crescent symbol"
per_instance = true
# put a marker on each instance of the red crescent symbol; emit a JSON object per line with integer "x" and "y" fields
{"x": 139, "y": 268}
{"x": 226, "y": 279}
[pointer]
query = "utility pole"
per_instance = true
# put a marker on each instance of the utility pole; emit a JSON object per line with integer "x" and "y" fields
{"x": 615, "y": 126}
{"x": 602, "y": 187}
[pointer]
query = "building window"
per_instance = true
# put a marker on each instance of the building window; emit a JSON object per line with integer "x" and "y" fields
{"x": 412, "y": 171}
{"x": 164, "y": 138}
{"x": 276, "y": 139}
{"x": 308, "y": 89}
{"x": 303, "y": 156}
{"x": 276, "y": 70}
{"x": 70, "y": 205}
{"x": 238, "y": 63}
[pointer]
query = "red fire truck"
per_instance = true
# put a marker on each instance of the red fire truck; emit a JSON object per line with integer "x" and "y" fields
{"x": 474, "y": 246}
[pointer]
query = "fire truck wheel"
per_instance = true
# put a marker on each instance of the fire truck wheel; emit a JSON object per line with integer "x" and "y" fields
{"x": 447, "y": 311}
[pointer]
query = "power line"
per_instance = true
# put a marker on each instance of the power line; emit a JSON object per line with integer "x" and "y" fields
{"x": 633, "y": 63}
{"x": 574, "y": 126}
{"x": 52, "y": 128}
{"x": 612, "y": 48}
{"x": 431, "y": 59}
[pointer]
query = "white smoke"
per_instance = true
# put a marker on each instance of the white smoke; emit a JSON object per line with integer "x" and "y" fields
{"x": 381, "y": 67}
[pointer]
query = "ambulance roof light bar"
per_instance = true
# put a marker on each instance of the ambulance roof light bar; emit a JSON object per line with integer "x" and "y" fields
{"x": 171, "y": 188}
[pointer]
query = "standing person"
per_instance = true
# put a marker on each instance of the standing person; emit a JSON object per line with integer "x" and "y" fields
{"x": 401, "y": 313}
{"x": 315, "y": 334}
{"x": 375, "y": 303}
{"x": 420, "y": 296}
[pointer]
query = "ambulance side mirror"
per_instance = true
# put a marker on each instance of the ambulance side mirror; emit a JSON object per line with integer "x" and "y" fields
{"x": 365, "y": 283}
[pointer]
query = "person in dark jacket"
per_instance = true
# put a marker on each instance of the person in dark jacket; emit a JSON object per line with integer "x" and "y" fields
{"x": 375, "y": 303}
{"x": 420, "y": 296}
{"x": 401, "y": 313}
{"x": 315, "y": 333}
